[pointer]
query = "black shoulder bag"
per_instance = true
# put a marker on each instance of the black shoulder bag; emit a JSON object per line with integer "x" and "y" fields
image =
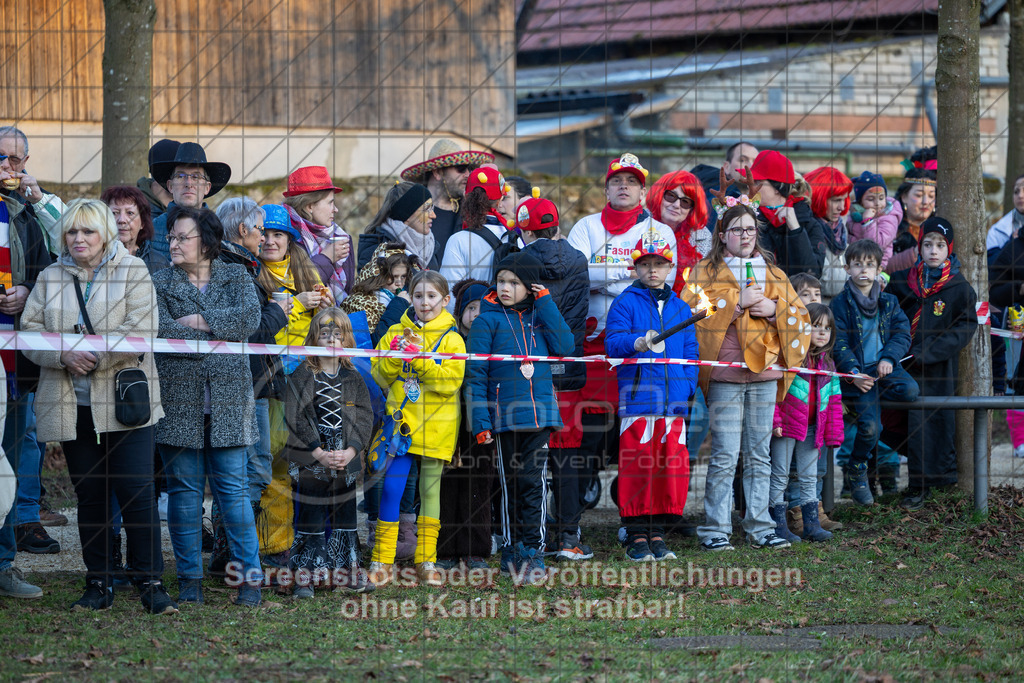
{"x": 131, "y": 386}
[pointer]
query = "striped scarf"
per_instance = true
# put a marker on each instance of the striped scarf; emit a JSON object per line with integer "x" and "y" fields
{"x": 916, "y": 282}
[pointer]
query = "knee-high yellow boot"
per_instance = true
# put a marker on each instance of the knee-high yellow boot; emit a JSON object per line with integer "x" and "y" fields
{"x": 383, "y": 563}
{"x": 426, "y": 550}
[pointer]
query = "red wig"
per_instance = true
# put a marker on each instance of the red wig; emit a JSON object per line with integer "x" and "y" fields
{"x": 827, "y": 182}
{"x": 692, "y": 188}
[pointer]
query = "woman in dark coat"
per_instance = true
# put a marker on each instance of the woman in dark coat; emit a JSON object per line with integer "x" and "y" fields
{"x": 210, "y": 417}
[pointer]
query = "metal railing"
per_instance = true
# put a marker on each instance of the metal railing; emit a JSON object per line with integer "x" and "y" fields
{"x": 979, "y": 404}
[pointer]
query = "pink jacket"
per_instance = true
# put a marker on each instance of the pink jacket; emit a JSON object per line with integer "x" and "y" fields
{"x": 792, "y": 413}
{"x": 881, "y": 230}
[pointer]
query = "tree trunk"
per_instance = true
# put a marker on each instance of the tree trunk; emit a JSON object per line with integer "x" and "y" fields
{"x": 127, "y": 89}
{"x": 960, "y": 196}
{"x": 1015, "y": 94}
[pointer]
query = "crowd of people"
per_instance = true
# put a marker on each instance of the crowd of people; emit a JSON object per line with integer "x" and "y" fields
{"x": 821, "y": 272}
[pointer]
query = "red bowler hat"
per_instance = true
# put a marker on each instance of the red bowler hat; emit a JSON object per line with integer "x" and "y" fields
{"x": 310, "y": 179}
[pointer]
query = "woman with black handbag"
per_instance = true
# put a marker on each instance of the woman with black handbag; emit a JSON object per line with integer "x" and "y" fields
{"x": 97, "y": 287}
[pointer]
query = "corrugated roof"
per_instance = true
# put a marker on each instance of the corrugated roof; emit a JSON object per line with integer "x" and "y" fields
{"x": 578, "y": 23}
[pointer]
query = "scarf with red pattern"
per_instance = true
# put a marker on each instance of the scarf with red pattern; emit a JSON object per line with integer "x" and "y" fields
{"x": 771, "y": 212}
{"x": 618, "y": 222}
{"x": 917, "y": 285}
{"x": 686, "y": 254}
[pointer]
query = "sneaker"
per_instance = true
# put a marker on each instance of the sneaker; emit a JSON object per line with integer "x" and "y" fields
{"x": 248, "y": 596}
{"x": 48, "y": 517}
{"x": 638, "y": 550}
{"x": 510, "y": 559}
{"x": 1018, "y": 452}
{"x": 573, "y": 549}
{"x": 155, "y": 598}
{"x": 448, "y": 564}
{"x": 14, "y": 585}
{"x": 32, "y": 538}
{"x": 660, "y": 550}
{"x": 915, "y": 500}
{"x": 302, "y": 592}
{"x": 96, "y": 597}
{"x": 190, "y": 590}
{"x": 428, "y": 575}
{"x": 771, "y": 541}
{"x": 533, "y": 569}
{"x": 717, "y": 544}
{"x": 476, "y": 562}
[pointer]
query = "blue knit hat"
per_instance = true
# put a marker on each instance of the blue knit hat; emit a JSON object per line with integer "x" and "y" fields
{"x": 277, "y": 219}
{"x": 865, "y": 181}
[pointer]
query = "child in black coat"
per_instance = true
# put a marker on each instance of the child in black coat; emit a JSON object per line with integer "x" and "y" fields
{"x": 940, "y": 304}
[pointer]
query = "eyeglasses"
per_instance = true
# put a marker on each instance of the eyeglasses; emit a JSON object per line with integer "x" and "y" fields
{"x": 745, "y": 232}
{"x": 671, "y": 198}
{"x": 15, "y": 161}
{"x": 197, "y": 178}
{"x": 462, "y": 168}
{"x": 171, "y": 239}
{"x": 262, "y": 230}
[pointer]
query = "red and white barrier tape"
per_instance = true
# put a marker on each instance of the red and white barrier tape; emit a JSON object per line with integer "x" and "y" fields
{"x": 52, "y": 341}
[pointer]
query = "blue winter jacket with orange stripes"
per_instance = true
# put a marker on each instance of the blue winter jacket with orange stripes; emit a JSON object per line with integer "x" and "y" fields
{"x": 500, "y": 397}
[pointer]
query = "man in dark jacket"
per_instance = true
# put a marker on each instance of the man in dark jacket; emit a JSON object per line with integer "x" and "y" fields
{"x": 243, "y": 223}
{"x": 737, "y": 157}
{"x": 158, "y": 195}
{"x": 23, "y": 256}
{"x": 566, "y": 277}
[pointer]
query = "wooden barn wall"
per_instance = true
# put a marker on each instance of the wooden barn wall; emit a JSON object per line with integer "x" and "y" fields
{"x": 421, "y": 65}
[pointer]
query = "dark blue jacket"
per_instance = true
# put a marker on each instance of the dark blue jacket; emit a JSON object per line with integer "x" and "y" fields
{"x": 662, "y": 389}
{"x": 894, "y": 328}
{"x": 500, "y": 398}
{"x": 567, "y": 277}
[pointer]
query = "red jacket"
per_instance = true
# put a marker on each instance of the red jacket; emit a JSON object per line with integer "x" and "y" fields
{"x": 793, "y": 412}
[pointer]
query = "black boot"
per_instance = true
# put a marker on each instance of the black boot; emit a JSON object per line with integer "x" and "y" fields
{"x": 343, "y": 551}
{"x": 812, "y": 528}
{"x": 220, "y": 555}
{"x": 309, "y": 563}
{"x": 119, "y": 577}
{"x": 889, "y": 477}
{"x": 98, "y": 595}
{"x": 155, "y": 598}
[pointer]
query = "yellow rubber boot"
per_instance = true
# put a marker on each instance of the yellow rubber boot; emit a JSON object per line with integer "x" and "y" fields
{"x": 383, "y": 557}
{"x": 426, "y": 551}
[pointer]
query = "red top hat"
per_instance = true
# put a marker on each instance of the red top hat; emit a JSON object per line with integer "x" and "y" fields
{"x": 310, "y": 179}
{"x": 537, "y": 214}
{"x": 489, "y": 179}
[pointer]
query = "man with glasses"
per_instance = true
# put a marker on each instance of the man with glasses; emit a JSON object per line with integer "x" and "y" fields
{"x": 23, "y": 255}
{"x": 15, "y": 182}
{"x": 190, "y": 178}
{"x": 445, "y": 174}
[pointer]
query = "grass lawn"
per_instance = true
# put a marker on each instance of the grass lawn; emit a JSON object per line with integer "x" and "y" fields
{"x": 941, "y": 568}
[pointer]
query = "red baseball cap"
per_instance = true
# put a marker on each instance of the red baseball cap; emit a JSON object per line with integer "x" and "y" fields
{"x": 489, "y": 179}
{"x": 536, "y": 214}
{"x": 627, "y": 163}
{"x": 772, "y": 165}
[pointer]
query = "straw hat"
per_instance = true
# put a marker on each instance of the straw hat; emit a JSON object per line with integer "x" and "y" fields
{"x": 443, "y": 154}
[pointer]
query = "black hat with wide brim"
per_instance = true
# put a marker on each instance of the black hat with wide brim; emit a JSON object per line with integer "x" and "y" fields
{"x": 193, "y": 154}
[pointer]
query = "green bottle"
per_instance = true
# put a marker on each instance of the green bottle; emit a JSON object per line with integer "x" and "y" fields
{"x": 751, "y": 280}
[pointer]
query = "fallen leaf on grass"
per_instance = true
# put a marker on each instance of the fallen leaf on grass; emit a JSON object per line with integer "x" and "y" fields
{"x": 245, "y": 659}
{"x": 270, "y": 604}
{"x": 411, "y": 662}
{"x": 940, "y": 585}
{"x": 34, "y": 659}
{"x": 728, "y": 601}
{"x": 900, "y": 565}
{"x": 890, "y": 601}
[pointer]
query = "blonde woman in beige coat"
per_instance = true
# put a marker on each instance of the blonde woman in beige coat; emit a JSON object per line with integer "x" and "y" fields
{"x": 75, "y": 399}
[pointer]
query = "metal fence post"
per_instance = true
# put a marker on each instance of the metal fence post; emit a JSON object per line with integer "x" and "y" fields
{"x": 981, "y": 460}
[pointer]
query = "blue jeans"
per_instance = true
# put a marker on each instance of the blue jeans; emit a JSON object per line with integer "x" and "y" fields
{"x": 260, "y": 459}
{"x": 699, "y": 424}
{"x": 30, "y": 467}
{"x": 741, "y": 420}
{"x": 898, "y": 386}
{"x": 14, "y": 427}
{"x": 187, "y": 470}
